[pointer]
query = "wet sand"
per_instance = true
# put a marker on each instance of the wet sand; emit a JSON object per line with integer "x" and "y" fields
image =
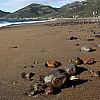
{"x": 23, "y": 46}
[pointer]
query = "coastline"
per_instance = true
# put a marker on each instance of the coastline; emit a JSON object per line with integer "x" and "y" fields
{"x": 62, "y": 21}
{"x": 15, "y": 23}
{"x": 23, "y": 46}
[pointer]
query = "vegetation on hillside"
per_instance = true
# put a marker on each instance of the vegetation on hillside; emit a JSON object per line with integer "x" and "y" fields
{"x": 2, "y": 13}
{"x": 81, "y": 9}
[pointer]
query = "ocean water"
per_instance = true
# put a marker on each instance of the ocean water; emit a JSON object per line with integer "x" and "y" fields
{"x": 4, "y": 23}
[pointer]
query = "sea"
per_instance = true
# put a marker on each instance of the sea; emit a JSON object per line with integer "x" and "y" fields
{"x": 11, "y": 23}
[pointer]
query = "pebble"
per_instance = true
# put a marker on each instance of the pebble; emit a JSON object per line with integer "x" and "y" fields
{"x": 71, "y": 69}
{"x": 36, "y": 62}
{"x": 86, "y": 49}
{"x": 52, "y": 64}
{"x": 96, "y": 32}
{"x": 76, "y": 44}
{"x": 59, "y": 80}
{"x": 76, "y": 61}
{"x": 97, "y": 36}
{"x": 27, "y": 76}
{"x": 89, "y": 61}
{"x": 95, "y": 73}
{"x": 49, "y": 90}
{"x": 74, "y": 78}
{"x": 36, "y": 89}
{"x": 73, "y": 38}
{"x": 90, "y": 39}
{"x": 98, "y": 45}
{"x": 14, "y": 47}
{"x": 14, "y": 82}
{"x": 29, "y": 66}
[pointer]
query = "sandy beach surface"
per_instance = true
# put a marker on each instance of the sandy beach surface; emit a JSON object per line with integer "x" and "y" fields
{"x": 24, "y": 46}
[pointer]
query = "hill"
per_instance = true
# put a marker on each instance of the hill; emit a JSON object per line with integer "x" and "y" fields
{"x": 2, "y": 13}
{"x": 82, "y": 9}
{"x": 33, "y": 10}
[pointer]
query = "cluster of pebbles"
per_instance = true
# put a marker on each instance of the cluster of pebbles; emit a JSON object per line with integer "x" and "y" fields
{"x": 54, "y": 81}
{"x": 59, "y": 77}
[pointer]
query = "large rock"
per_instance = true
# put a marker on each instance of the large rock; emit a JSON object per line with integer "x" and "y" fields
{"x": 56, "y": 79}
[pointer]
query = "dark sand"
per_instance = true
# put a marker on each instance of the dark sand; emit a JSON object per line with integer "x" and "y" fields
{"x": 22, "y": 46}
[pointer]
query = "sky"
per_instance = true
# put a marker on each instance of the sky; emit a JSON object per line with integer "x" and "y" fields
{"x": 14, "y": 5}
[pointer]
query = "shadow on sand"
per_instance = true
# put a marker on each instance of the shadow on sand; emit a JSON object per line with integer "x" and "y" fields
{"x": 80, "y": 70}
{"x": 73, "y": 83}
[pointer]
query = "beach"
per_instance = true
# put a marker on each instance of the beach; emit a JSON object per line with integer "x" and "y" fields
{"x": 25, "y": 45}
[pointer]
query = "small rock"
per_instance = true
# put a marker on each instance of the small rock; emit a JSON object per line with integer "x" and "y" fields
{"x": 29, "y": 66}
{"x": 36, "y": 89}
{"x": 27, "y": 76}
{"x": 52, "y": 64}
{"x": 74, "y": 78}
{"x": 25, "y": 67}
{"x": 97, "y": 36}
{"x": 36, "y": 62}
{"x": 98, "y": 25}
{"x": 90, "y": 39}
{"x": 92, "y": 30}
{"x": 49, "y": 90}
{"x": 48, "y": 79}
{"x": 23, "y": 74}
{"x": 14, "y": 47}
{"x": 59, "y": 80}
{"x": 14, "y": 82}
{"x": 76, "y": 44}
{"x": 41, "y": 78}
{"x": 71, "y": 69}
{"x": 96, "y": 73}
{"x": 39, "y": 87}
{"x": 76, "y": 61}
{"x": 86, "y": 49}
{"x": 73, "y": 38}
{"x": 89, "y": 61}
{"x": 96, "y": 32}
{"x": 31, "y": 93}
{"x": 98, "y": 45}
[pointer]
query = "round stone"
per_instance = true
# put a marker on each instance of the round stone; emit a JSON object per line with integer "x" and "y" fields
{"x": 49, "y": 90}
{"x": 59, "y": 80}
{"x": 56, "y": 78}
{"x": 71, "y": 69}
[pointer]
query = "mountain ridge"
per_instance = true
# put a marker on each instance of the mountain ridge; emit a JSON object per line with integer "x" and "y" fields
{"x": 2, "y": 13}
{"x": 81, "y": 9}
{"x": 32, "y": 10}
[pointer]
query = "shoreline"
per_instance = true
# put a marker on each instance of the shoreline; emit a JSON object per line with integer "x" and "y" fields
{"x": 16, "y": 24}
{"x": 62, "y": 21}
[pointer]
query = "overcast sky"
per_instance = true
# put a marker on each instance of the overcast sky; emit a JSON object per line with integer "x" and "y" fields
{"x": 13, "y": 5}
